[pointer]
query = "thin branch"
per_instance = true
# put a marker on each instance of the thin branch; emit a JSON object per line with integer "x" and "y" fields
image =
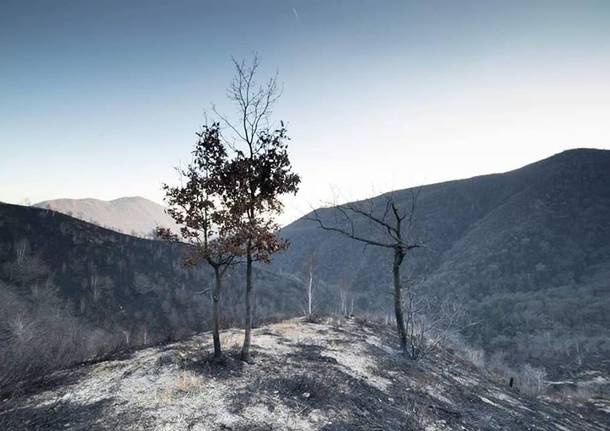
{"x": 351, "y": 234}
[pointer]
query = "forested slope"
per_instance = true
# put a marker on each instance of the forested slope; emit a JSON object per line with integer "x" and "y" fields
{"x": 526, "y": 252}
{"x": 70, "y": 290}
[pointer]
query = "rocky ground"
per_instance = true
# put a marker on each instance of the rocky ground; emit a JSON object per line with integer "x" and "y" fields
{"x": 336, "y": 375}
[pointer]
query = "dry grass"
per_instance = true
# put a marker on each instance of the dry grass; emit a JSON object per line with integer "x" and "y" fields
{"x": 186, "y": 384}
{"x": 231, "y": 340}
{"x": 578, "y": 395}
{"x": 286, "y": 326}
{"x": 333, "y": 320}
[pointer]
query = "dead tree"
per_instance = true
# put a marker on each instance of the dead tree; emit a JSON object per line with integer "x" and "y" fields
{"x": 307, "y": 278}
{"x": 428, "y": 320}
{"x": 345, "y": 298}
{"x": 391, "y": 229}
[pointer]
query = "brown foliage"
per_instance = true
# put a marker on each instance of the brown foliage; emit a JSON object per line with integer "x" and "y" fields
{"x": 233, "y": 186}
{"x": 197, "y": 204}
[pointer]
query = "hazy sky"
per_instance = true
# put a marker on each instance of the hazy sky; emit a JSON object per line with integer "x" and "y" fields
{"x": 102, "y": 98}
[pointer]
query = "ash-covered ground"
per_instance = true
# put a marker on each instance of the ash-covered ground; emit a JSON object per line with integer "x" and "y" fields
{"x": 332, "y": 375}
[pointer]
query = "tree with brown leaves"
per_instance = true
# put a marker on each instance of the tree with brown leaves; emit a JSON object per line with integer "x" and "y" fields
{"x": 258, "y": 175}
{"x": 197, "y": 206}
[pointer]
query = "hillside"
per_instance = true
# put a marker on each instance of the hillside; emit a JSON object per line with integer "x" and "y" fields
{"x": 70, "y": 290}
{"x": 339, "y": 375}
{"x": 132, "y": 215}
{"x": 526, "y": 253}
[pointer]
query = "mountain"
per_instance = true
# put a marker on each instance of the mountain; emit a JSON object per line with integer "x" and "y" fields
{"x": 335, "y": 375}
{"x": 132, "y": 215}
{"x": 71, "y": 290}
{"x": 526, "y": 253}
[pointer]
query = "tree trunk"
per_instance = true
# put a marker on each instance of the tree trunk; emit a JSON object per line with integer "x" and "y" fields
{"x": 215, "y": 313}
{"x": 245, "y": 350}
{"x": 309, "y": 293}
{"x": 400, "y": 321}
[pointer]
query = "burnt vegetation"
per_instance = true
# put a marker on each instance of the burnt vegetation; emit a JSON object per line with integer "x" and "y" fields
{"x": 516, "y": 265}
{"x": 71, "y": 291}
{"x": 519, "y": 261}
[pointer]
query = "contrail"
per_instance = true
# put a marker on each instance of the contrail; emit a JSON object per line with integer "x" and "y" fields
{"x": 296, "y": 14}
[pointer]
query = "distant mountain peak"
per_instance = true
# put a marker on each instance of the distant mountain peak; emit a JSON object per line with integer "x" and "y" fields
{"x": 130, "y": 214}
{"x": 131, "y": 198}
{"x": 578, "y": 153}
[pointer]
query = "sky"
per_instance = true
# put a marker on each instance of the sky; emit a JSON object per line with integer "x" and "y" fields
{"x": 102, "y": 98}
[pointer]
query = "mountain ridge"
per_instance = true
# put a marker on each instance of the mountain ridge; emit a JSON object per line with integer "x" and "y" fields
{"x": 129, "y": 214}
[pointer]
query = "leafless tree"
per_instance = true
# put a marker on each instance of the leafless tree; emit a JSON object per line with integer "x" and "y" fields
{"x": 21, "y": 248}
{"x": 386, "y": 225}
{"x": 127, "y": 335}
{"x": 428, "y": 321}
{"x": 307, "y": 278}
{"x": 95, "y": 287}
{"x": 346, "y": 299}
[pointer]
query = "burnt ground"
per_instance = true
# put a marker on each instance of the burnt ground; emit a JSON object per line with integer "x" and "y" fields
{"x": 337, "y": 375}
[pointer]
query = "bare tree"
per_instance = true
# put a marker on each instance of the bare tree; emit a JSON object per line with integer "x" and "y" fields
{"x": 126, "y": 334}
{"x": 259, "y": 174}
{"x": 346, "y": 298}
{"x": 428, "y": 321}
{"x": 95, "y": 287}
{"x": 389, "y": 227}
{"x": 307, "y": 278}
{"x": 21, "y": 248}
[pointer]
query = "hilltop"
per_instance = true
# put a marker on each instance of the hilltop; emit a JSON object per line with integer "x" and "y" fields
{"x": 132, "y": 215}
{"x": 332, "y": 375}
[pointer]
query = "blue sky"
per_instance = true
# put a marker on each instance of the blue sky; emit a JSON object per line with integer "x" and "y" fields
{"x": 102, "y": 98}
